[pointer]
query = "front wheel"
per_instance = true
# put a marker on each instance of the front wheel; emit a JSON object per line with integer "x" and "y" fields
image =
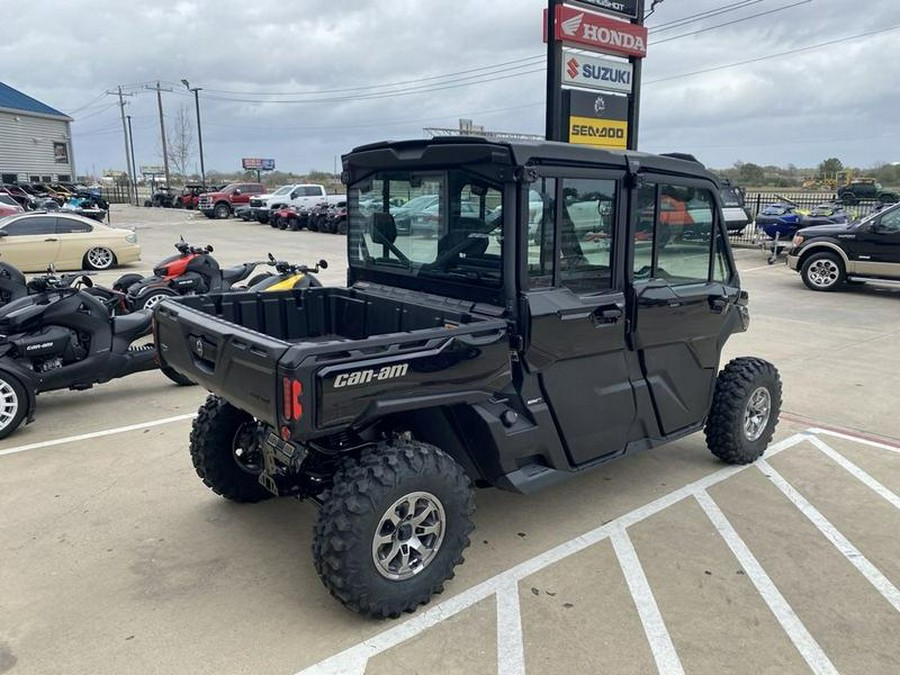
{"x": 153, "y": 298}
{"x": 744, "y": 411}
{"x": 222, "y": 211}
{"x": 13, "y": 404}
{"x": 99, "y": 258}
{"x": 393, "y": 528}
{"x": 822, "y": 271}
{"x": 225, "y": 451}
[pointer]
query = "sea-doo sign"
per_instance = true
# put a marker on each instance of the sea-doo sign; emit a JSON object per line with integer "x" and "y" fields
{"x": 599, "y": 33}
{"x": 597, "y": 119}
{"x": 626, "y": 8}
{"x": 591, "y": 72}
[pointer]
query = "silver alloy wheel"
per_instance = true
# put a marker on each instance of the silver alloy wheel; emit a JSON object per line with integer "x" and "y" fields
{"x": 100, "y": 258}
{"x": 823, "y": 273}
{"x": 154, "y": 300}
{"x": 9, "y": 404}
{"x": 408, "y": 536}
{"x": 757, "y": 412}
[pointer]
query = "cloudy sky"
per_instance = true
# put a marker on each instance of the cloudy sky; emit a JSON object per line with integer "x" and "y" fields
{"x": 765, "y": 81}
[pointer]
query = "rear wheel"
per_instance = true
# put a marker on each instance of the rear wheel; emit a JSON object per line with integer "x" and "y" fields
{"x": 393, "y": 527}
{"x": 13, "y": 404}
{"x": 225, "y": 453}
{"x": 744, "y": 412}
{"x": 99, "y": 258}
{"x": 822, "y": 271}
{"x": 154, "y": 297}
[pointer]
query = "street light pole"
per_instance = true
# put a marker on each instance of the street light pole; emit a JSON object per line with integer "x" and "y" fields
{"x": 196, "y": 91}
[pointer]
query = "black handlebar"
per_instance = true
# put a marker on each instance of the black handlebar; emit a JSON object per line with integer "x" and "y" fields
{"x": 286, "y": 267}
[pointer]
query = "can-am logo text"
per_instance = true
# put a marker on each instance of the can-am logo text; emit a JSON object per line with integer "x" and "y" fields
{"x": 365, "y": 376}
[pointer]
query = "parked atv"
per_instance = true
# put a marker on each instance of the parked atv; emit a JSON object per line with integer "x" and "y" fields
{"x": 287, "y": 276}
{"x": 60, "y": 336}
{"x": 192, "y": 271}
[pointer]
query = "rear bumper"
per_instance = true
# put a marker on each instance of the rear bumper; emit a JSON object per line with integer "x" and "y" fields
{"x": 128, "y": 254}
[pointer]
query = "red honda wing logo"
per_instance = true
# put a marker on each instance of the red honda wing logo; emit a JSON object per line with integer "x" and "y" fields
{"x": 603, "y": 34}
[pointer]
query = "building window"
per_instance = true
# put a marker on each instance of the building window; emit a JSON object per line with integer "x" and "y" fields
{"x": 64, "y": 178}
{"x": 9, "y": 178}
{"x": 34, "y": 179}
{"x": 46, "y": 179}
{"x": 61, "y": 153}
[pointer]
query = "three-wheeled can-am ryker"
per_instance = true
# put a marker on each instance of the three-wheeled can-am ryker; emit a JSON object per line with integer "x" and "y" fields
{"x": 549, "y": 318}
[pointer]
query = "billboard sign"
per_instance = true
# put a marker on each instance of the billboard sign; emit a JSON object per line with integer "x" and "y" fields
{"x": 626, "y": 8}
{"x": 600, "y": 120}
{"x": 258, "y": 164}
{"x": 593, "y": 72}
{"x": 599, "y": 33}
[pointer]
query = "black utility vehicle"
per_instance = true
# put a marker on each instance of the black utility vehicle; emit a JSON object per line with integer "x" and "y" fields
{"x": 865, "y": 189}
{"x": 476, "y": 354}
{"x": 829, "y": 255}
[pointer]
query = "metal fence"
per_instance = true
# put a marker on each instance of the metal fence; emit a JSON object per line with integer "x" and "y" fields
{"x": 756, "y": 201}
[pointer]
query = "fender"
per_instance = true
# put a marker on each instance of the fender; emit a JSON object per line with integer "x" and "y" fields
{"x": 817, "y": 246}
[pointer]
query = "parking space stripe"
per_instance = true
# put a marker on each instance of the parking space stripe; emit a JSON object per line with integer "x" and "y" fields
{"x": 667, "y": 661}
{"x": 349, "y": 660}
{"x": 95, "y": 434}
{"x": 856, "y": 472}
{"x": 805, "y": 643}
{"x": 510, "y": 646}
{"x": 841, "y": 543}
{"x": 865, "y": 439}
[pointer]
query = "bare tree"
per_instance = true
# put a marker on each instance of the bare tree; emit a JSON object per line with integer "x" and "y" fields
{"x": 180, "y": 138}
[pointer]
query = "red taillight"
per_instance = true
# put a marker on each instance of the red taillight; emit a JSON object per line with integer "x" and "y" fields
{"x": 291, "y": 391}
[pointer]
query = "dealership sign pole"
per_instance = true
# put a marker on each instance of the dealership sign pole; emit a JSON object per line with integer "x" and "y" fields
{"x": 602, "y": 33}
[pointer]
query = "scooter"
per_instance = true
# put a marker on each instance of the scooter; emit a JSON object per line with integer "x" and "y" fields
{"x": 288, "y": 276}
{"x": 60, "y": 336}
{"x": 192, "y": 271}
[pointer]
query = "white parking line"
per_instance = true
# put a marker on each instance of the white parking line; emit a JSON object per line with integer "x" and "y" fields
{"x": 661, "y": 646}
{"x": 805, "y": 643}
{"x": 95, "y": 434}
{"x": 856, "y": 472}
{"x": 853, "y": 555}
{"x": 858, "y": 439}
{"x": 510, "y": 647}
{"x": 353, "y": 659}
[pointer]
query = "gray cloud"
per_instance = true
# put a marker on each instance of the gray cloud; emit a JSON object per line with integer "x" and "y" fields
{"x": 834, "y": 100}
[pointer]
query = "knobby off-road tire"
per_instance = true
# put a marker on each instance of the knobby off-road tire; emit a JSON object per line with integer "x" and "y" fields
{"x": 407, "y": 494}
{"x": 744, "y": 412}
{"x": 216, "y": 438}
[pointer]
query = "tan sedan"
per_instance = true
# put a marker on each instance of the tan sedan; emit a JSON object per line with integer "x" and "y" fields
{"x": 34, "y": 241}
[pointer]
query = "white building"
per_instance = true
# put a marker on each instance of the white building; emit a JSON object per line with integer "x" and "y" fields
{"x": 35, "y": 140}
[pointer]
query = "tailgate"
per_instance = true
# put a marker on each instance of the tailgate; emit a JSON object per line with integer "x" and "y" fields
{"x": 236, "y": 363}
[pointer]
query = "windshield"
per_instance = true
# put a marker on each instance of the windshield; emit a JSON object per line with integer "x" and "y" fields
{"x": 448, "y": 225}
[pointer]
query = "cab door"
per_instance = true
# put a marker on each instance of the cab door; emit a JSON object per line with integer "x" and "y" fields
{"x": 682, "y": 290}
{"x": 576, "y": 310}
{"x": 30, "y": 243}
{"x": 877, "y": 246}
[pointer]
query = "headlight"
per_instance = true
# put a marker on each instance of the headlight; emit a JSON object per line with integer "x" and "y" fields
{"x": 798, "y": 239}
{"x": 131, "y": 238}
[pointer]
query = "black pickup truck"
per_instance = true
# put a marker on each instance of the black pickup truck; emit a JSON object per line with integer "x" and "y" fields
{"x": 547, "y": 321}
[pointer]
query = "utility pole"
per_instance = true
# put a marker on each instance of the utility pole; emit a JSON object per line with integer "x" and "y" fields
{"x": 196, "y": 91}
{"x": 131, "y": 188}
{"x": 133, "y": 163}
{"x": 162, "y": 129}
{"x": 553, "y": 116}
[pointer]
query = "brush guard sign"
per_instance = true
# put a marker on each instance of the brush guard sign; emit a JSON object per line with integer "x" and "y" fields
{"x": 598, "y": 119}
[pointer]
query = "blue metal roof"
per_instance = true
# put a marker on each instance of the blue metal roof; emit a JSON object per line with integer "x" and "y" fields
{"x": 14, "y": 99}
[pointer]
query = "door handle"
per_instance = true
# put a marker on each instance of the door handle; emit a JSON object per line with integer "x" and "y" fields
{"x": 52, "y": 239}
{"x": 718, "y": 303}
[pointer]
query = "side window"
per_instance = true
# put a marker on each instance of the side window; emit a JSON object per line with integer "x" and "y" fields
{"x": 540, "y": 244}
{"x": 890, "y": 222}
{"x": 68, "y": 225}
{"x": 38, "y": 225}
{"x": 312, "y": 191}
{"x": 585, "y": 234}
{"x": 673, "y": 235}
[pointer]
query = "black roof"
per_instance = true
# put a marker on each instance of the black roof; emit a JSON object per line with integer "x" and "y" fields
{"x": 524, "y": 152}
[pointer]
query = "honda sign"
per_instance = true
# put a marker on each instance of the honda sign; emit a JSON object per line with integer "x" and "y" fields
{"x": 600, "y": 33}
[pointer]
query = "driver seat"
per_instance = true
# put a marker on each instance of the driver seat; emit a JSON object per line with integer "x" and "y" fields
{"x": 236, "y": 273}
{"x": 131, "y": 326}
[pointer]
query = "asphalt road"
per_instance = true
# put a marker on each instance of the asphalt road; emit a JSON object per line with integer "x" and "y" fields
{"x": 115, "y": 558}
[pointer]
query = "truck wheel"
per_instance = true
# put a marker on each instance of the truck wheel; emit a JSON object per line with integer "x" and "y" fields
{"x": 392, "y": 528}
{"x": 176, "y": 377}
{"x": 224, "y": 452}
{"x": 13, "y": 404}
{"x": 221, "y": 211}
{"x": 822, "y": 271}
{"x": 342, "y": 226}
{"x": 744, "y": 411}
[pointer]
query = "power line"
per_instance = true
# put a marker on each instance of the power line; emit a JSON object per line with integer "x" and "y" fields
{"x": 775, "y": 56}
{"x": 732, "y": 22}
{"x": 708, "y": 14}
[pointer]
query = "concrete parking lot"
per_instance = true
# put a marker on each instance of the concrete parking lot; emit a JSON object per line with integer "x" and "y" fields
{"x": 116, "y": 558}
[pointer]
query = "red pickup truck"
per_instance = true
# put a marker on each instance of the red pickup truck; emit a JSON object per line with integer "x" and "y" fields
{"x": 221, "y": 204}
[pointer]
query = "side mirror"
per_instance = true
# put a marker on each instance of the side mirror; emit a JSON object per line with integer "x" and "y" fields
{"x": 323, "y": 264}
{"x": 236, "y": 192}
{"x": 295, "y": 194}
{"x": 4, "y": 233}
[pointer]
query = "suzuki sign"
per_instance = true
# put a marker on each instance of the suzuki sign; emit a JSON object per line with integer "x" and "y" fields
{"x": 600, "y": 33}
{"x": 591, "y": 72}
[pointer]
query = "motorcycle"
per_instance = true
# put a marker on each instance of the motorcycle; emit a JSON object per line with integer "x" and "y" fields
{"x": 60, "y": 336}
{"x": 192, "y": 271}
{"x": 287, "y": 276}
{"x": 13, "y": 286}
